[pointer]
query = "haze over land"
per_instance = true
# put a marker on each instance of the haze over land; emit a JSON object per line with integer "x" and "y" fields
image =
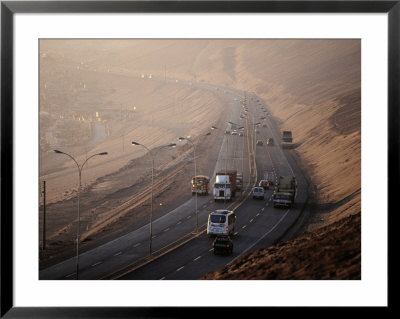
{"x": 89, "y": 103}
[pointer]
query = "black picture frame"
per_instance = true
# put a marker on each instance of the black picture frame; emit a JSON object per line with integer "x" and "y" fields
{"x": 9, "y": 8}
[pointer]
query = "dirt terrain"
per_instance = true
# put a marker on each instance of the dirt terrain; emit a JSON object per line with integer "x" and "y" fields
{"x": 311, "y": 87}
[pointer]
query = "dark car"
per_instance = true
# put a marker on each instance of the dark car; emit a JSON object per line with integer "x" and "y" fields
{"x": 270, "y": 141}
{"x": 222, "y": 244}
{"x": 264, "y": 184}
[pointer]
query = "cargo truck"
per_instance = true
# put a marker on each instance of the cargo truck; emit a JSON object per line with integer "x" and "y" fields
{"x": 286, "y": 192}
{"x": 225, "y": 185}
{"x": 200, "y": 185}
{"x": 287, "y": 139}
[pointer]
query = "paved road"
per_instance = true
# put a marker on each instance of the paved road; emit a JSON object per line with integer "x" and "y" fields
{"x": 258, "y": 224}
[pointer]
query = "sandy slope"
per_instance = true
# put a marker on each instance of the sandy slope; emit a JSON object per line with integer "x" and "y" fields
{"x": 310, "y": 87}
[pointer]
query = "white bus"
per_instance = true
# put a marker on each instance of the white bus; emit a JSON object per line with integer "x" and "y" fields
{"x": 221, "y": 222}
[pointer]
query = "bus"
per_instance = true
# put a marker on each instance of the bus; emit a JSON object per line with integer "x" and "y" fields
{"x": 221, "y": 222}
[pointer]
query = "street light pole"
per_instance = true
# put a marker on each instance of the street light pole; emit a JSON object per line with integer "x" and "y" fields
{"x": 152, "y": 187}
{"x": 80, "y": 167}
{"x": 195, "y": 173}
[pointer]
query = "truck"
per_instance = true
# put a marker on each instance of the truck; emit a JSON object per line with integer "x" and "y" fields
{"x": 286, "y": 192}
{"x": 287, "y": 139}
{"x": 200, "y": 185}
{"x": 225, "y": 184}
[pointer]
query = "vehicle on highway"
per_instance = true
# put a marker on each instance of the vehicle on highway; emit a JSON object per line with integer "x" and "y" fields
{"x": 287, "y": 139}
{"x": 222, "y": 244}
{"x": 270, "y": 141}
{"x": 259, "y": 142}
{"x": 270, "y": 177}
{"x": 240, "y": 133}
{"x": 258, "y": 192}
{"x": 221, "y": 222}
{"x": 227, "y": 132}
{"x": 264, "y": 125}
{"x": 264, "y": 184}
{"x": 286, "y": 192}
{"x": 225, "y": 185}
{"x": 200, "y": 184}
{"x": 234, "y": 132}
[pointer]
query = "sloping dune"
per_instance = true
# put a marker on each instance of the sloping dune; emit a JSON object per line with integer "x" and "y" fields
{"x": 311, "y": 87}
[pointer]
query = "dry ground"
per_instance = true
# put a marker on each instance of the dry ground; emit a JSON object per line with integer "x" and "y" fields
{"x": 311, "y": 87}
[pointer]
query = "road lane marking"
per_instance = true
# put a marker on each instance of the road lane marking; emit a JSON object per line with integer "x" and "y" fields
{"x": 179, "y": 222}
{"x": 189, "y": 216}
{"x": 167, "y": 229}
{"x": 70, "y": 275}
{"x": 118, "y": 253}
{"x": 244, "y": 226}
{"x": 235, "y": 233}
{"x": 162, "y": 278}
{"x": 211, "y": 249}
{"x": 179, "y": 269}
{"x": 98, "y": 263}
{"x": 197, "y": 258}
{"x": 138, "y": 244}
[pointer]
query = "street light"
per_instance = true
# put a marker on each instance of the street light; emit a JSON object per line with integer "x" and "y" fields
{"x": 152, "y": 184}
{"x": 79, "y": 191}
{"x": 195, "y": 172}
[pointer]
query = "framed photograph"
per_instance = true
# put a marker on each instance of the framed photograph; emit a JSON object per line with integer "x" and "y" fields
{"x": 161, "y": 156}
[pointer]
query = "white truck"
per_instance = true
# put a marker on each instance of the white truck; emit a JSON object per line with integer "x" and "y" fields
{"x": 225, "y": 185}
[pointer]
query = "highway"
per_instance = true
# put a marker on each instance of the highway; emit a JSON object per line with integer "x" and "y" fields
{"x": 177, "y": 251}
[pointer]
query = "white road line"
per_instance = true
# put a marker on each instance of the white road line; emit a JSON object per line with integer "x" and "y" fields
{"x": 257, "y": 214}
{"x": 251, "y": 220}
{"x": 197, "y": 258}
{"x": 235, "y": 233}
{"x": 167, "y": 229}
{"x": 118, "y": 253}
{"x": 244, "y": 226}
{"x": 179, "y": 222}
{"x": 179, "y": 269}
{"x": 98, "y": 263}
{"x": 211, "y": 249}
{"x": 154, "y": 236}
{"x": 138, "y": 244}
{"x": 162, "y": 278}
{"x": 70, "y": 275}
{"x": 189, "y": 216}
{"x": 262, "y": 209}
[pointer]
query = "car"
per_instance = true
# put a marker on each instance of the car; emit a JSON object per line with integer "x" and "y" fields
{"x": 234, "y": 132}
{"x": 270, "y": 141}
{"x": 264, "y": 125}
{"x": 264, "y": 184}
{"x": 259, "y": 142}
{"x": 222, "y": 244}
{"x": 227, "y": 132}
{"x": 240, "y": 133}
{"x": 258, "y": 192}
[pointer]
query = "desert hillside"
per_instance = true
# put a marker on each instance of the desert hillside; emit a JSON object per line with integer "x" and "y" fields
{"x": 311, "y": 87}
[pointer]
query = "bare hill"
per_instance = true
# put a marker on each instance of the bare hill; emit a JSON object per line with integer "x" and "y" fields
{"x": 312, "y": 87}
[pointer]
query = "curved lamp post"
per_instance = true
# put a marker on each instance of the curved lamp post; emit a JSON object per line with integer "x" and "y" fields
{"x": 80, "y": 167}
{"x": 152, "y": 184}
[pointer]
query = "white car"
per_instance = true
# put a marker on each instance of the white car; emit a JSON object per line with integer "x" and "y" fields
{"x": 234, "y": 132}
